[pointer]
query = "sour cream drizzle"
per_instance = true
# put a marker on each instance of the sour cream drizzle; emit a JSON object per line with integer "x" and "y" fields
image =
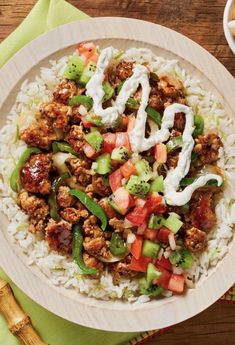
{"x": 137, "y": 136}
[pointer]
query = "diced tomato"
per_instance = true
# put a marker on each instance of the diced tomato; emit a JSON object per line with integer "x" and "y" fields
{"x": 138, "y": 215}
{"x": 139, "y": 265}
{"x": 86, "y": 49}
{"x": 122, "y": 139}
{"x": 94, "y": 58}
{"x": 160, "y": 209}
{"x": 89, "y": 151}
{"x": 163, "y": 280}
{"x": 141, "y": 229}
{"x": 165, "y": 263}
{"x": 160, "y": 153}
{"x": 122, "y": 200}
{"x": 176, "y": 283}
{"x": 153, "y": 201}
{"x": 150, "y": 234}
{"x": 136, "y": 247}
{"x": 131, "y": 124}
{"x": 163, "y": 234}
{"x": 128, "y": 169}
{"x": 85, "y": 123}
{"x": 109, "y": 140}
{"x": 115, "y": 180}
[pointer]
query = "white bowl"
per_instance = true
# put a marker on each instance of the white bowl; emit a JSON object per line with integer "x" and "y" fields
{"x": 67, "y": 303}
{"x": 229, "y": 14}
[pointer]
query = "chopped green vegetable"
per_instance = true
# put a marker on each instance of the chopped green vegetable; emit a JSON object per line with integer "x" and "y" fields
{"x": 103, "y": 164}
{"x": 154, "y": 115}
{"x": 117, "y": 245}
{"x": 136, "y": 186}
{"x": 94, "y": 119}
{"x": 174, "y": 143}
{"x": 155, "y": 222}
{"x": 91, "y": 205}
{"x": 87, "y": 73}
{"x": 187, "y": 181}
{"x": 213, "y": 182}
{"x": 74, "y": 68}
{"x": 185, "y": 208}
{"x": 105, "y": 179}
{"x": 152, "y": 273}
{"x": 77, "y": 248}
{"x": 63, "y": 146}
{"x": 157, "y": 185}
{"x": 150, "y": 249}
{"x": 132, "y": 104}
{"x": 118, "y": 54}
{"x": 173, "y": 223}
{"x": 15, "y": 180}
{"x": 194, "y": 157}
{"x": 182, "y": 258}
{"x": 52, "y": 197}
{"x": 150, "y": 290}
{"x": 95, "y": 139}
{"x": 119, "y": 87}
{"x": 143, "y": 170}
{"x": 108, "y": 91}
{"x": 199, "y": 125}
{"x": 81, "y": 99}
{"x": 120, "y": 154}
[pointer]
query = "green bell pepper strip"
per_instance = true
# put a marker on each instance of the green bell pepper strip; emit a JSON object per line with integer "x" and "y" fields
{"x": 189, "y": 180}
{"x": 174, "y": 143}
{"x": 81, "y": 99}
{"x": 77, "y": 247}
{"x": 108, "y": 91}
{"x": 62, "y": 146}
{"x": 154, "y": 115}
{"x": 199, "y": 125}
{"x": 91, "y": 205}
{"x": 15, "y": 182}
{"x": 52, "y": 197}
{"x": 117, "y": 245}
{"x": 132, "y": 104}
{"x": 119, "y": 87}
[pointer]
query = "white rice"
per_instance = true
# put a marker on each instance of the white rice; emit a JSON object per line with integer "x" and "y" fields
{"x": 63, "y": 271}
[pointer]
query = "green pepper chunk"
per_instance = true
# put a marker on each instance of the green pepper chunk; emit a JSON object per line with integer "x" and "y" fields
{"x": 52, "y": 197}
{"x": 108, "y": 91}
{"x": 117, "y": 245}
{"x": 15, "y": 181}
{"x": 81, "y": 99}
{"x": 91, "y": 205}
{"x": 199, "y": 125}
{"x": 119, "y": 87}
{"x": 186, "y": 181}
{"x": 154, "y": 115}
{"x": 174, "y": 144}
{"x": 94, "y": 119}
{"x": 77, "y": 247}
{"x": 62, "y": 146}
{"x": 132, "y": 104}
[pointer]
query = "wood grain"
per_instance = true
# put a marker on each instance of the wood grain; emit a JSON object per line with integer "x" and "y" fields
{"x": 201, "y": 21}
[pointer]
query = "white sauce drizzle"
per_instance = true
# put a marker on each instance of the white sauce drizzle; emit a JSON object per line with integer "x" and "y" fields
{"x": 137, "y": 136}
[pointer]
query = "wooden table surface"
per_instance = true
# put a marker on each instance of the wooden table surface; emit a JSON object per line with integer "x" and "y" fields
{"x": 201, "y": 21}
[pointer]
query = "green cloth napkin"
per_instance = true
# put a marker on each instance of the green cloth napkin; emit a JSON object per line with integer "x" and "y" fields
{"x": 46, "y": 15}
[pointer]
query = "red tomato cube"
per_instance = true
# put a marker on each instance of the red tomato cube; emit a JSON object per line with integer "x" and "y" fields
{"x": 163, "y": 234}
{"x": 139, "y": 265}
{"x": 176, "y": 283}
{"x": 122, "y": 200}
{"x": 89, "y": 151}
{"x": 115, "y": 180}
{"x": 165, "y": 263}
{"x": 163, "y": 280}
{"x": 138, "y": 215}
{"x": 122, "y": 139}
{"x": 160, "y": 153}
{"x": 136, "y": 247}
{"x": 109, "y": 140}
{"x": 128, "y": 169}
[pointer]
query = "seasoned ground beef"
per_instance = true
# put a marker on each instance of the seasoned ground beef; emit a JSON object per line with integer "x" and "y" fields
{"x": 59, "y": 236}
{"x": 207, "y": 147}
{"x": 195, "y": 239}
{"x": 35, "y": 174}
{"x": 65, "y": 90}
